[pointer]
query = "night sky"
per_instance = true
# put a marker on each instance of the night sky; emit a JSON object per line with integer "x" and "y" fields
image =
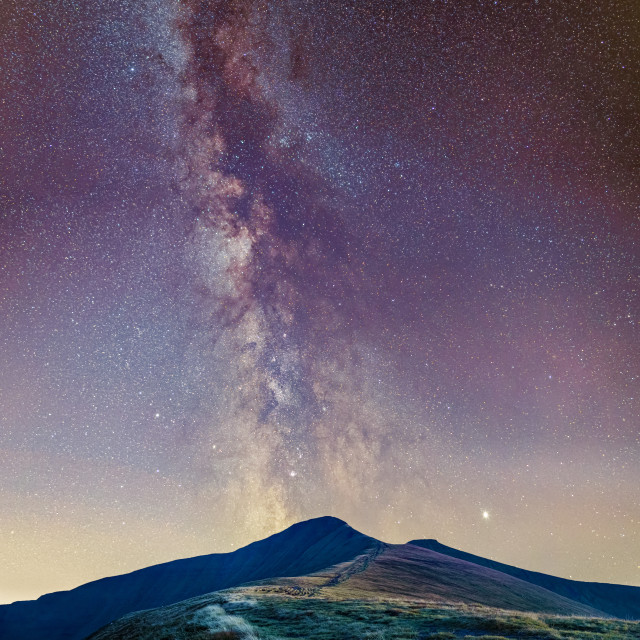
{"x": 268, "y": 260}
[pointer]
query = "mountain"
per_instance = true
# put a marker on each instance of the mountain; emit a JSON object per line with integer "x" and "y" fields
{"x": 390, "y": 591}
{"x": 72, "y": 615}
{"x": 614, "y": 599}
{"x": 318, "y": 561}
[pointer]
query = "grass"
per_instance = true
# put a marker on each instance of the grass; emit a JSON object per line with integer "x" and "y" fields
{"x": 254, "y": 614}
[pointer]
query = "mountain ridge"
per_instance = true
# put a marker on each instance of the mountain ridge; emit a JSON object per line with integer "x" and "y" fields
{"x": 614, "y": 599}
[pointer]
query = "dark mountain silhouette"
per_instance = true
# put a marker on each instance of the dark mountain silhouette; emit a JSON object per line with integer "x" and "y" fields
{"x": 614, "y": 599}
{"x": 311, "y": 558}
{"x": 72, "y": 615}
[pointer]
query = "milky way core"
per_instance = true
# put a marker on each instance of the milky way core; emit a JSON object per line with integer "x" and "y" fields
{"x": 267, "y": 260}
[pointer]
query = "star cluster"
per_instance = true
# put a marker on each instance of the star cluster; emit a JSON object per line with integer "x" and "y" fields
{"x": 268, "y": 260}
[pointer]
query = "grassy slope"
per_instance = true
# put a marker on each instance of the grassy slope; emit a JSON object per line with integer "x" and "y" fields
{"x": 409, "y": 571}
{"x": 252, "y": 614}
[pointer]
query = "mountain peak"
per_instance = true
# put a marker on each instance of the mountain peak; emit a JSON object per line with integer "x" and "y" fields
{"x": 325, "y": 522}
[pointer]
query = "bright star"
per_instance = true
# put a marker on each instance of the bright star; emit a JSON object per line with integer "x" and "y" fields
{"x": 485, "y": 515}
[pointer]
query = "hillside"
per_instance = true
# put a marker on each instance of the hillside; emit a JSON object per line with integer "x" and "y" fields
{"x": 72, "y": 615}
{"x": 410, "y": 572}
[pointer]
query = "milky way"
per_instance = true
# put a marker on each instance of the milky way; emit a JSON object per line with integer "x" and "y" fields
{"x": 264, "y": 261}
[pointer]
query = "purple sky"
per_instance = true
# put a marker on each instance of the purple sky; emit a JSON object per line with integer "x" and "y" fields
{"x": 263, "y": 261}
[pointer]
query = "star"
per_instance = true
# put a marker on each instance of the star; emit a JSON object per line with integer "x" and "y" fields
{"x": 307, "y": 260}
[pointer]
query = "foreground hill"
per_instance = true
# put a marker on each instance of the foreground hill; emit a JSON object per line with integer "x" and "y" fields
{"x": 241, "y": 614}
{"x": 615, "y": 599}
{"x": 72, "y": 615}
{"x": 371, "y": 597}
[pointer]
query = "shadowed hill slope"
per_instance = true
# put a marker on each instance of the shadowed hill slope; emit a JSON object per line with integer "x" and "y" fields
{"x": 615, "y": 599}
{"x": 72, "y": 615}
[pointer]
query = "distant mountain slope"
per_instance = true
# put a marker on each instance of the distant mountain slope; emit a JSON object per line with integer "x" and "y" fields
{"x": 412, "y": 572}
{"x": 615, "y": 599}
{"x": 72, "y": 615}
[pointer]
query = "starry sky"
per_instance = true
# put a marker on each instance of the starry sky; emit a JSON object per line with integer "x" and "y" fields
{"x": 266, "y": 260}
